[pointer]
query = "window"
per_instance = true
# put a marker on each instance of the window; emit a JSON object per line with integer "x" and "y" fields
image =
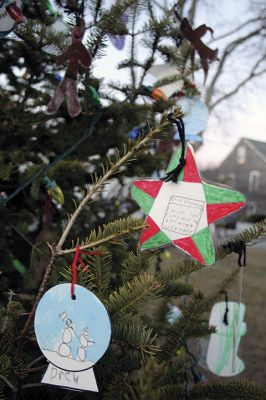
{"x": 254, "y": 181}
{"x": 251, "y": 208}
{"x": 241, "y": 155}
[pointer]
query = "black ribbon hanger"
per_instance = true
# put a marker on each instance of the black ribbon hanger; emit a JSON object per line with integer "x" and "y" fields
{"x": 173, "y": 175}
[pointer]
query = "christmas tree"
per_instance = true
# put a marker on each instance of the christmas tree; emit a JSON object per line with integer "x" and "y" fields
{"x": 48, "y": 158}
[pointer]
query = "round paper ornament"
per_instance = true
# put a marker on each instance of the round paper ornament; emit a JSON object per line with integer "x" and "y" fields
{"x": 222, "y": 358}
{"x": 196, "y": 115}
{"x": 73, "y": 334}
{"x": 10, "y": 13}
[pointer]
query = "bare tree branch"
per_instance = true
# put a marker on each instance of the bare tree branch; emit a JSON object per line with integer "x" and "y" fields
{"x": 253, "y": 74}
{"x": 237, "y": 29}
{"x": 229, "y": 49}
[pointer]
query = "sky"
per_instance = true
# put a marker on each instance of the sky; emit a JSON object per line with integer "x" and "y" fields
{"x": 240, "y": 116}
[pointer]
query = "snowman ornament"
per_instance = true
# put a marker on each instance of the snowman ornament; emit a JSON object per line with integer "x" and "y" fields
{"x": 84, "y": 343}
{"x": 74, "y": 348}
{"x": 64, "y": 348}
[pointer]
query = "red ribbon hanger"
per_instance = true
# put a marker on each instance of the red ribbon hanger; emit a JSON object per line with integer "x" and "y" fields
{"x": 78, "y": 260}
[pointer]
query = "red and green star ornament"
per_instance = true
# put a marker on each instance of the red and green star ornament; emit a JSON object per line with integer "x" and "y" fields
{"x": 180, "y": 213}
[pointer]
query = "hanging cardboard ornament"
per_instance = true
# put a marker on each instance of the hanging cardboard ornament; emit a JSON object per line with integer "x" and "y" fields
{"x": 165, "y": 71}
{"x": 118, "y": 41}
{"x": 180, "y": 213}
{"x": 75, "y": 54}
{"x": 10, "y": 13}
{"x": 195, "y": 115}
{"x": 194, "y": 37}
{"x": 222, "y": 358}
{"x": 54, "y": 191}
{"x": 173, "y": 314}
{"x": 73, "y": 335}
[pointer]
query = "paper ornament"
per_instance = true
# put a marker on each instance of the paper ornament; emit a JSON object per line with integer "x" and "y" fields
{"x": 222, "y": 358}
{"x": 73, "y": 335}
{"x": 163, "y": 71}
{"x": 74, "y": 55}
{"x": 180, "y": 213}
{"x": 10, "y": 13}
{"x": 173, "y": 314}
{"x": 195, "y": 115}
{"x": 94, "y": 97}
{"x": 118, "y": 41}
{"x": 194, "y": 36}
{"x": 54, "y": 191}
{"x": 134, "y": 133}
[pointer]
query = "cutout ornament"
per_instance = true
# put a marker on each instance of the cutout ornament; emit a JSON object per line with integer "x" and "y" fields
{"x": 180, "y": 213}
{"x": 75, "y": 54}
{"x": 222, "y": 358}
{"x": 73, "y": 335}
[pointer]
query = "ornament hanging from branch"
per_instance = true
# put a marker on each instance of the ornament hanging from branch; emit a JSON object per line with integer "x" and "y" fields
{"x": 118, "y": 41}
{"x": 195, "y": 111}
{"x": 10, "y": 13}
{"x": 194, "y": 37}
{"x": 74, "y": 55}
{"x": 181, "y": 207}
{"x": 222, "y": 358}
{"x": 54, "y": 190}
{"x": 73, "y": 334}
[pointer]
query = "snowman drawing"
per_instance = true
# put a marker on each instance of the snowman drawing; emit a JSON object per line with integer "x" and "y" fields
{"x": 84, "y": 343}
{"x": 64, "y": 348}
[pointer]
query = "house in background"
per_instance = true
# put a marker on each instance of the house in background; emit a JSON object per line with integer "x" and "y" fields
{"x": 244, "y": 169}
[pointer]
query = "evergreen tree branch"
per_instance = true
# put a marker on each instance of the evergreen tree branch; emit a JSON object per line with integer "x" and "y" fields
{"x": 131, "y": 296}
{"x": 110, "y": 233}
{"x": 8, "y": 383}
{"x": 113, "y": 169}
{"x": 97, "y": 187}
{"x": 38, "y": 297}
{"x": 136, "y": 335}
{"x": 233, "y": 390}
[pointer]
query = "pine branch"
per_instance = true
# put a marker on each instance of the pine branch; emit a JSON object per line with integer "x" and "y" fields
{"x": 172, "y": 391}
{"x": 178, "y": 270}
{"x": 97, "y": 276}
{"x": 231, "y": 390}
{"x": 113, "y": 167}
{"x": 111, "y": 233}
{"x": 134, "y": 265}
{"x": 134, "y": 334}
{"x": 133, "y": 295}
{"x": 98, "y": 185}
{"x": 176, "y": 333}
{"x": 119, "y": 388}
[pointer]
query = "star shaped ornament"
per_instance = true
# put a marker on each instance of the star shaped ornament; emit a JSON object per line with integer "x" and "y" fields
{"x": 180, "y": 213}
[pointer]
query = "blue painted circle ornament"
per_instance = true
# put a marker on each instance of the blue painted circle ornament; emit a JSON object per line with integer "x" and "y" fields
{"x": 10, "y": 13}
{"x": 72, "y": 334}
{"x": 196, "y": 115}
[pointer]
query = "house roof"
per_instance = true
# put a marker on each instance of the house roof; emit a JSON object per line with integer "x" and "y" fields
{"x": 258, "y": 146}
